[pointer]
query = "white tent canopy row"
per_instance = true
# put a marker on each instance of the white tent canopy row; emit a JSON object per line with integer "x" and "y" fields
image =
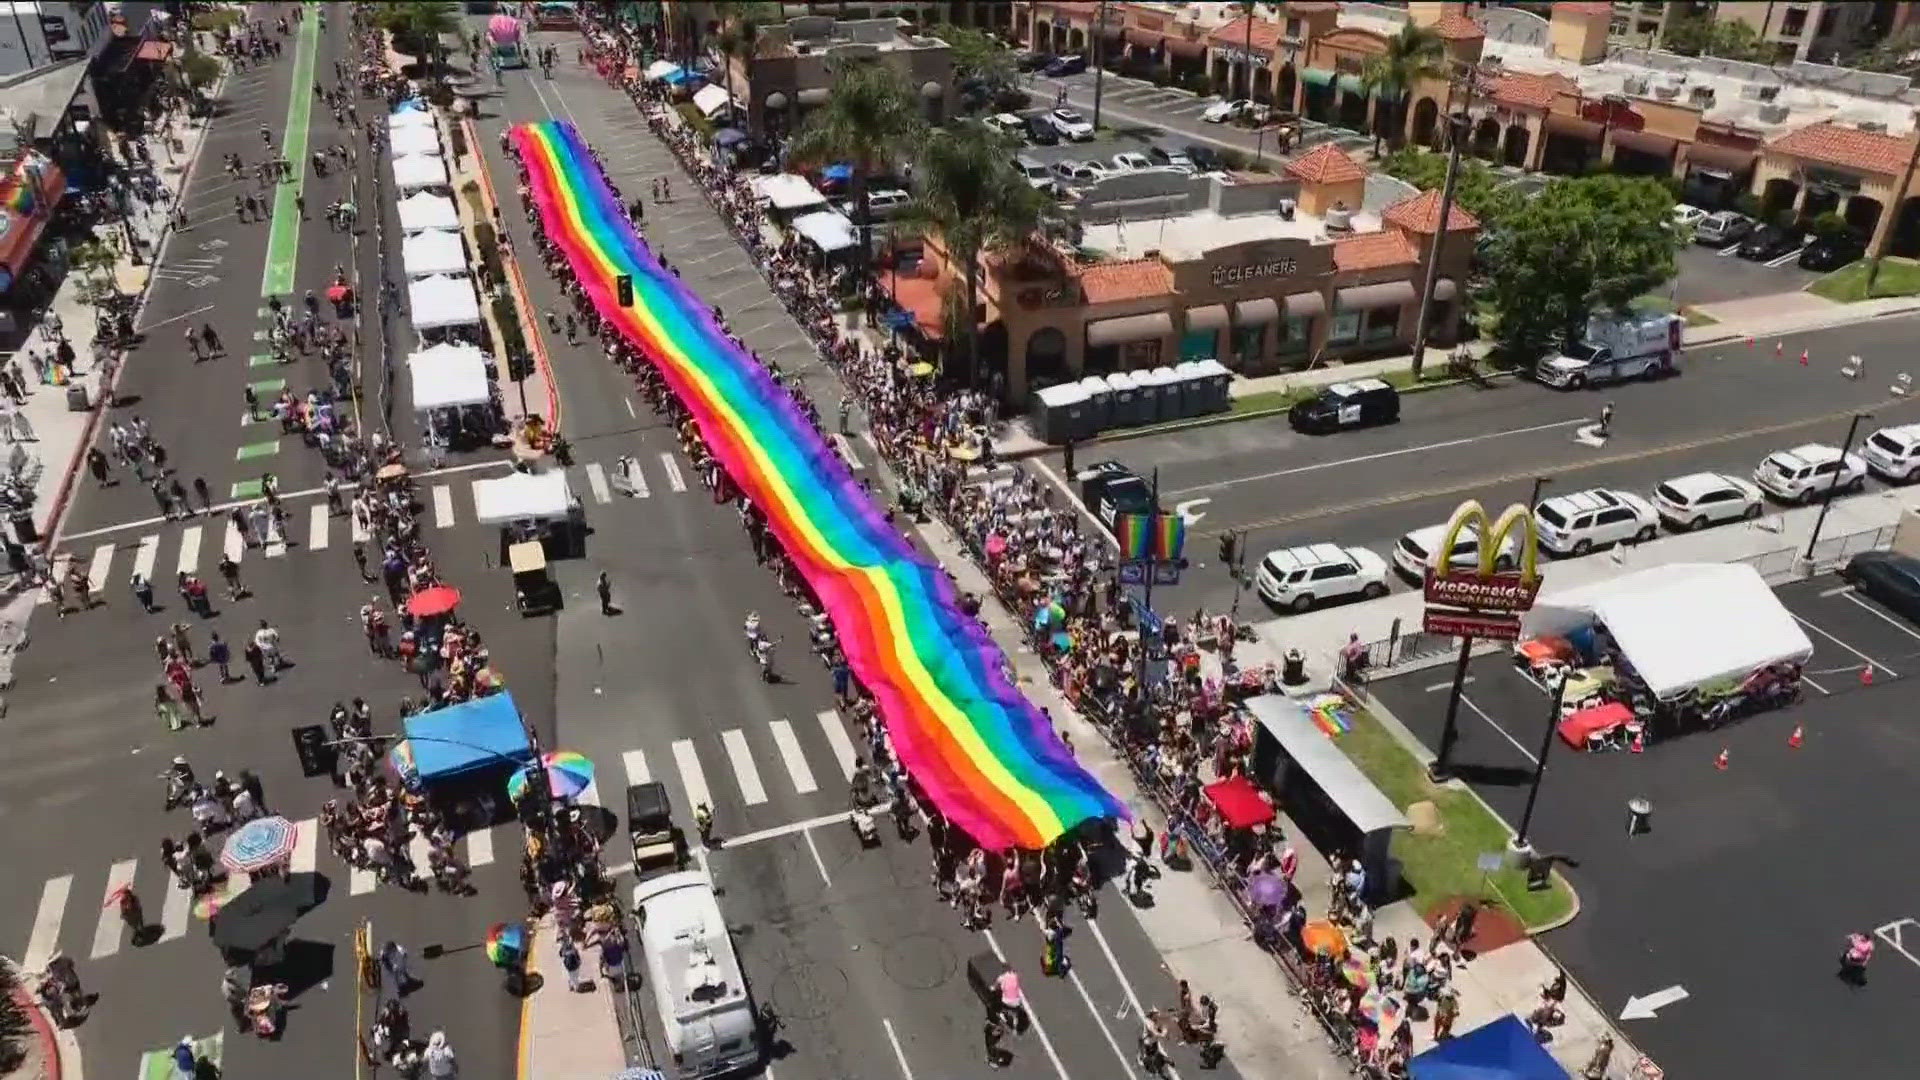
{"x": 416, "y": 171}
{"x": 435, "y": 251}
{"x": 1683, "y": 625}
{"x": 788, "y": 191}
{"x": 659, "y": 70}
{"x": 409, "y": 118}
{"x": 710, "y": 99}
{"x": 828, "y": 230}
{"x": 414, "y": 140}
{"x": 523, "y": 496}
{"x": 449, "y": 375}
{"x": 443, "y": 301}
{"x": 423, "y": 210}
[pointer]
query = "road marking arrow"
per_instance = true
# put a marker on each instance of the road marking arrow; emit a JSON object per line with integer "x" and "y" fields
{"x": 1647, "y": 1008}
{"x": 1189, "y": 511}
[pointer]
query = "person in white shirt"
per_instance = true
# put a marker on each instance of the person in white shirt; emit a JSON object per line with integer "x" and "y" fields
{"x": 440, "y": 1060}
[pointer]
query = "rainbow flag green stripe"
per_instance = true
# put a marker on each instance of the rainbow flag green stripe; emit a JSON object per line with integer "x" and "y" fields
{"x": 982, "y": 753}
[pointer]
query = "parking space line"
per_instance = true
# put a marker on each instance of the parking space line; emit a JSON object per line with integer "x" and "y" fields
{"x": 1881, "y": 615}
{"x": 1870, "y": 660}
{"x": 1439, "y": 686}
{"x": 1524, "y": 752}
{"x": 1823, "y": 690}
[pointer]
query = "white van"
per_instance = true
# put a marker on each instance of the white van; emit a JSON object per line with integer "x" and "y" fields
{"x": 1893, "y": 453}
{"x": 706, "y": 1014}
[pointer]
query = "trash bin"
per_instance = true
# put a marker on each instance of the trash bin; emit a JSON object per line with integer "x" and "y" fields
{"x": 77, "y": 398}
{"x": 23, "y": 530}
{"x": 1639, "y": 816}
{"x": 1293, "y": 668}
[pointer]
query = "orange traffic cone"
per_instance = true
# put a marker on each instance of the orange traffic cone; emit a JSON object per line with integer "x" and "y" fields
{"x": 1799, "y": 736}
{"x": 1638, "y": 745}
{"x": 1866, "y": 675}
{"x": 1803, "y": 358}
{"x": 1720, "y": 762}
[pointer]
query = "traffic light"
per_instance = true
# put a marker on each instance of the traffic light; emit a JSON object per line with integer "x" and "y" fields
{"x": 310, "y": 746}
{"x": 1226, "y": 549}
{"x": 519, "y": 366}
{"x": 623, "y": 286}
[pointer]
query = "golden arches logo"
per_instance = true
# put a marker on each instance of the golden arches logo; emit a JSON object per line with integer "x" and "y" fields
{"x": 1493, "y": 535}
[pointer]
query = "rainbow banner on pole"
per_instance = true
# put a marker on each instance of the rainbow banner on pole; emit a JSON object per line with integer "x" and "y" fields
{"x": 985, "y": 756}
{"x": 1155, "y": 537}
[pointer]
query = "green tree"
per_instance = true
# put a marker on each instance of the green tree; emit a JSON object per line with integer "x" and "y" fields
{"x": 1578, "y": 244}
{"x": 978, "y": 55}
{"x": 1728, "y": 39}
{"x": 1413, "y": 53}
{"x": 739, "y": 41}
{"x": 1477, "y": 189}
{"x": 96, "y": 263}
{"x": 1897, "y": 55}
{"x": 200, "y": 70}
{"x": 871, "y": 121}
{"x": 418, "y": 26}
{"x": 971, "y": 194}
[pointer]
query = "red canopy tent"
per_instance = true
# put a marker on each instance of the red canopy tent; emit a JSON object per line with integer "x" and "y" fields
{"x": 1239, "y": 803}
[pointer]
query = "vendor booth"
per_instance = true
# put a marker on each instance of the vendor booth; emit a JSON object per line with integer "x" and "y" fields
{"x": 433, "y": 252}
{"x": 440, "y": 302}
{"x": 416, "y": 171}
{"x": 712, "y": 100}
{"x": 462, "y": 757}
{"x": 1321, "y": 789}
{"x": 659, "y": 71}
{"x": 787, "y": 193}
{"x": 414, "y": 140}
{"x": 1502, "y": 1050}
{"x": 454, "y": 396}
{"x": 1663, "y": 651}
{"x": 424, "y": 210}
{"x": 829, "y": 232}
{"x": 532, "y": 506}
{"x": 407, "y": 119}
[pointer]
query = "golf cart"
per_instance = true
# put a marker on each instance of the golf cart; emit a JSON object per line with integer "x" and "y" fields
{"x": 534, "y": 590}
{"x": 657, "y": 843}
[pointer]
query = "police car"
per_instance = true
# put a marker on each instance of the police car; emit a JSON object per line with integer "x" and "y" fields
{"x": 1359, "y": 403}
{"x": 1109, "y": 489}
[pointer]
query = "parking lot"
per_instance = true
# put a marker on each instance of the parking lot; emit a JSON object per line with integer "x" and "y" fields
{"x": 1710, "y": 275}
{"x": 1749, "y": 878}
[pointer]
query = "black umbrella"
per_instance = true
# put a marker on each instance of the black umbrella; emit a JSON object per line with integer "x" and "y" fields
{"x": 265, "y": 910}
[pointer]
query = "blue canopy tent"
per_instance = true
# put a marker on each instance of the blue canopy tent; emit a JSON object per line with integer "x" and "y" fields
{"x": 680, "y": 77}
{"x": 1502, "y": 1050}
{"x": 478, "y": 734}
{"x": 728, "y": 136}
{"x": 839, "y": 172}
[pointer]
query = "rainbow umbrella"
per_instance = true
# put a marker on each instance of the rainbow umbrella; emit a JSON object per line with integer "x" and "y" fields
{"x": 568, "y": 774}
{"x": 506, "y": 943}
{"x": 1381, "y": 1008}
{"x": 1051, "y": 613}
{"x": 1354, "y": 970}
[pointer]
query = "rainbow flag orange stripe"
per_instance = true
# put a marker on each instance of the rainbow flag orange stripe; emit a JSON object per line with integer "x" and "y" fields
{"x": 985, "y": 756}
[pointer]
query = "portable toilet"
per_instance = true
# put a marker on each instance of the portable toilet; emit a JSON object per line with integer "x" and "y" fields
{"x": 1126, "y": 398}
{"x": 1099, "y": 403}
{"x": 1173, "y": 403}
{"x": 1060, "y": 413}
{"x": 1193, "y": 392}
{"x": 1216, "y": 382}
{"x": 1154, "y": 391}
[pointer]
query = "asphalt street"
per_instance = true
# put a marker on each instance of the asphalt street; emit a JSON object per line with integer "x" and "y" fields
{"x": 859, "y": 973}
{"x": 1710, "y": 275}
{"x": 1749, "y": 879}
{"x": 84, "y": 798}
{"x": 1730, "y": 406}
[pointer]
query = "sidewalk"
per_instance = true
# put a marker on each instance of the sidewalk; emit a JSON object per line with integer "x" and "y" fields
{"x": 539, "y": 393}
{"x": 1757, "y": 317}
{"x": 563, "y": 1033}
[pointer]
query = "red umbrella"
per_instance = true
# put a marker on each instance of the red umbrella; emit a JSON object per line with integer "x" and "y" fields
{"x": 339, "y": 293}
{"x": 435, "y": 601}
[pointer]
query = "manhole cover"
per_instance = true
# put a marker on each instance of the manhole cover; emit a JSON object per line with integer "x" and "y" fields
{"x": 808, "y": 991}
{"x": 918, "y": 961}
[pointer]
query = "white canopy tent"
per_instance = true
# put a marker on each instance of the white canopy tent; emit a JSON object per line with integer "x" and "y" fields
{"x": 828, "y": 230}
{"x": 443, "y": 301}
{"x": 445, "y": 379}
{"x": 416, "y": 171}
{"x": 435, "y": 251}
{"x": 659, "y": 70}
{"x": 423, "y": 210}
{"x": 522, "y": 496}
{"x": 788, "y": 192}
{"x": 1683, "y": 625}
{"x": 409, "y": 118}
{"x": 710, "y": 99}
{"x": 414, "y": 140}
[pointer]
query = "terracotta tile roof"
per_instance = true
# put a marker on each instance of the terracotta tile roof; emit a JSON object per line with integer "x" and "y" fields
{"x": 921, "y": 297}
{"x": 1106, "y": 283}
{"x": 1326, "y": 164}
{"x": 1851, "y": 148}
{"x": 1584, "y": 7}
{"x": 1454, "y": 26}
{"x": 1422, "y": 212}
{"x": 1374, "y": 251}
{"x": 1266, "y": 34}
{"x": 1310, "y": 7}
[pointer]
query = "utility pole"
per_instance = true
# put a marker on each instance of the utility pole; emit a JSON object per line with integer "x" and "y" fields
{"x": 1899, "y": 204}
{"x": 1099, "y": 55}
{"x": 1457, "y": 121}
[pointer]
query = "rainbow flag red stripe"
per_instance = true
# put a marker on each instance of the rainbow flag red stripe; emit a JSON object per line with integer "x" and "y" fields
{"x": 985, "y": 756}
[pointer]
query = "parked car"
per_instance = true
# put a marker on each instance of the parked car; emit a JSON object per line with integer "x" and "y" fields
{"x": 1413, "y": 555}
{"x": 1040, "y": 129}
{"x": 1887, "y": 576}
{"x": 1108, "y": 489}
{"x": 1062, "y": 66}
{"x": 1358, "y": 403}
{"x": 1579, "y": 521}
{"x": 1299, "y": 578}
{"x": 1806, "y": 473}
{"x": 1071, "y": 125}
{"x": 1688, "y": 217}
{"x": 1770, "y": 242}
{"x": 1205, "y": 159}
{"x": 1028, "y": 60}
{"x": 1893, "y": 453}
{"x": 1007, "y": 124}
{"x": 1697, "y": 500}
{"x": 1224, "y": 110}
{"x": 1035, "y": 171}
{"x": 1833, "y": 251}
{"x": 1722, "y": 227}
{"x": 1131, "y": 162}
{"x": 1171, "y": 159}
{"x": 1067, "y": 171}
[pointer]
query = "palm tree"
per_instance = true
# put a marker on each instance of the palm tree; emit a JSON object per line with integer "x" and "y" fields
{"x": 871, "y": 121}
{"x": 740, "y": 40}
{"x": 1413, "y": 53}
{"x": 971, "y": 194}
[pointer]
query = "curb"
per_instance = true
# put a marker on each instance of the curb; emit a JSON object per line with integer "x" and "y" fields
{"x": 1721, "y": 333}
{"x": 42, "y": 1025}
{"x": 527, "y": 313}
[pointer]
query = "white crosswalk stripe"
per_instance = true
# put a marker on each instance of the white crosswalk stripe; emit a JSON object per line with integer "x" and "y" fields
{"x": 795, "y": 759}
{"x": 234, "y": 545}
{"x": 692, "y": 777}
{"x": 360, "y": 882}
{"x": 316, "y": 526}
{"x": 144, "y": 557}
{"x": 836, "y": 735}
{"x": 45, "y": 938}
{"x": 100, "y": 566}
{"x": 674, "y": 479}
{"x": 597, "y": 480}
{"x": 111, "y": 927}
{"x": 276, "y": 543}
{"x": 442, "y": 505}
{"x": 844, "y": 447}
{"x": 480, "y": 848}
{"x": 176, "y": 911}
{"x": 306, "y": 846}
{"x": 745, "y": 772}
{"x": 634, "y": 480}
{"x": 418, "y": 848}
{"x": 361, "y": 534}
{"x": 189, "y": 550}
{"x": 635, "y": 763}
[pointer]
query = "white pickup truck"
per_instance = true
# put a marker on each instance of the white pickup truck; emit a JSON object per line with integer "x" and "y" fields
{"x": 1615, "y": 348}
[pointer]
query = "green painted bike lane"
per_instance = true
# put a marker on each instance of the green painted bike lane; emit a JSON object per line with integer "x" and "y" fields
{"x": 283, "y": 241}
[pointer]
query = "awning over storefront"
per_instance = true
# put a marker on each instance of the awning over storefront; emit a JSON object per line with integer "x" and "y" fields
{"x": 1713, "y": 156}
{"x": 154, "y": 50}
{"x": 814, "y": 96}
{"x": 1185, "y": 49}
{"x": 1351, "y": 84}
{"x": 1573, "y": 127}
{"x": 1306, "y": 305}
{"x": 1644, "y": 142}
{"x": 1387, "y": 294}
{"x": 1316, "y": 76}
{"x": 1258, "y": 312}
{"x": 1129, "y": 328}
{"x": 1144, "y": 39}
{"x": 1207, "y": 318}
{"x": 27, "y": 200}
{"x": 1445, "y": 289}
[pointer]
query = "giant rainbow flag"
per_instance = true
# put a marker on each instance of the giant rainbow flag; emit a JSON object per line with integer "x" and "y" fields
{"x": 981, "y": 751}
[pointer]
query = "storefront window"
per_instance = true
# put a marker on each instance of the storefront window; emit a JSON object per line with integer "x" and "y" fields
{"x": 1345, "y": 329}
{"x": 1381, "y": 326}
{"x": 1249, "y": 343}
{"x": 1199, "y": 345}
{"x": 1135, "y": 355}
{"x": 1296, "y": 335}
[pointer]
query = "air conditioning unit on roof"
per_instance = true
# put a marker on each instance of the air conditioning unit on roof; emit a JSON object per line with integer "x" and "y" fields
{"x": 1872, "y": 127}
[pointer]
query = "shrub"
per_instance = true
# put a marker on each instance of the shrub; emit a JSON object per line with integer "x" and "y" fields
{"x": 489, "y": 244}
{"x": 513, "y": 340}
{"x": 691, "y": 114}
{"x": 459, "y": 132}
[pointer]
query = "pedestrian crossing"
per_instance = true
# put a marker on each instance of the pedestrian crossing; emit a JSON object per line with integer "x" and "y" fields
{"x": 77, "y": 912}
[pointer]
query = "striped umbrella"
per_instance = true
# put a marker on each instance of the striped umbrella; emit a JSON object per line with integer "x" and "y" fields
{"x": 258, "y": 844}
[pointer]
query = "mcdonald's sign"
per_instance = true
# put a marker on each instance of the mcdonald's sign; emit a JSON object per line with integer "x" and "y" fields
{"x": 1505, "y": 579}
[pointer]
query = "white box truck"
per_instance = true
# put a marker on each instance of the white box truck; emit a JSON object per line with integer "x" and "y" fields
{"x": 1615, "y": 348}
{"x": 706, "y": 1014}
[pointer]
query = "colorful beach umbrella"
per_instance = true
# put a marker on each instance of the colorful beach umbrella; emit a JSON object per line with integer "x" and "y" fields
{"x": 1322, "y": 938}
{"x": 506, "y": 943}
{"x": 1050, "y": 613}
{"x": 568, "y": 774}
{"x": 1383, "y": 1009}
{"x": 258, "y": 844}
{"x": 1355, "y": 971}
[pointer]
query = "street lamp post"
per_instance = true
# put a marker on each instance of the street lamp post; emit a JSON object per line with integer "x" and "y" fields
{"x": 1539, "y": 482}
{"x": 1458, "y": 125}
{"x": 1540, "y": 765}
{"x": 1826, "y": 501}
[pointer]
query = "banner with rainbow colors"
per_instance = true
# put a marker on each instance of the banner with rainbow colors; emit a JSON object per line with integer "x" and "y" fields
{"x": 986, "y": 757}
